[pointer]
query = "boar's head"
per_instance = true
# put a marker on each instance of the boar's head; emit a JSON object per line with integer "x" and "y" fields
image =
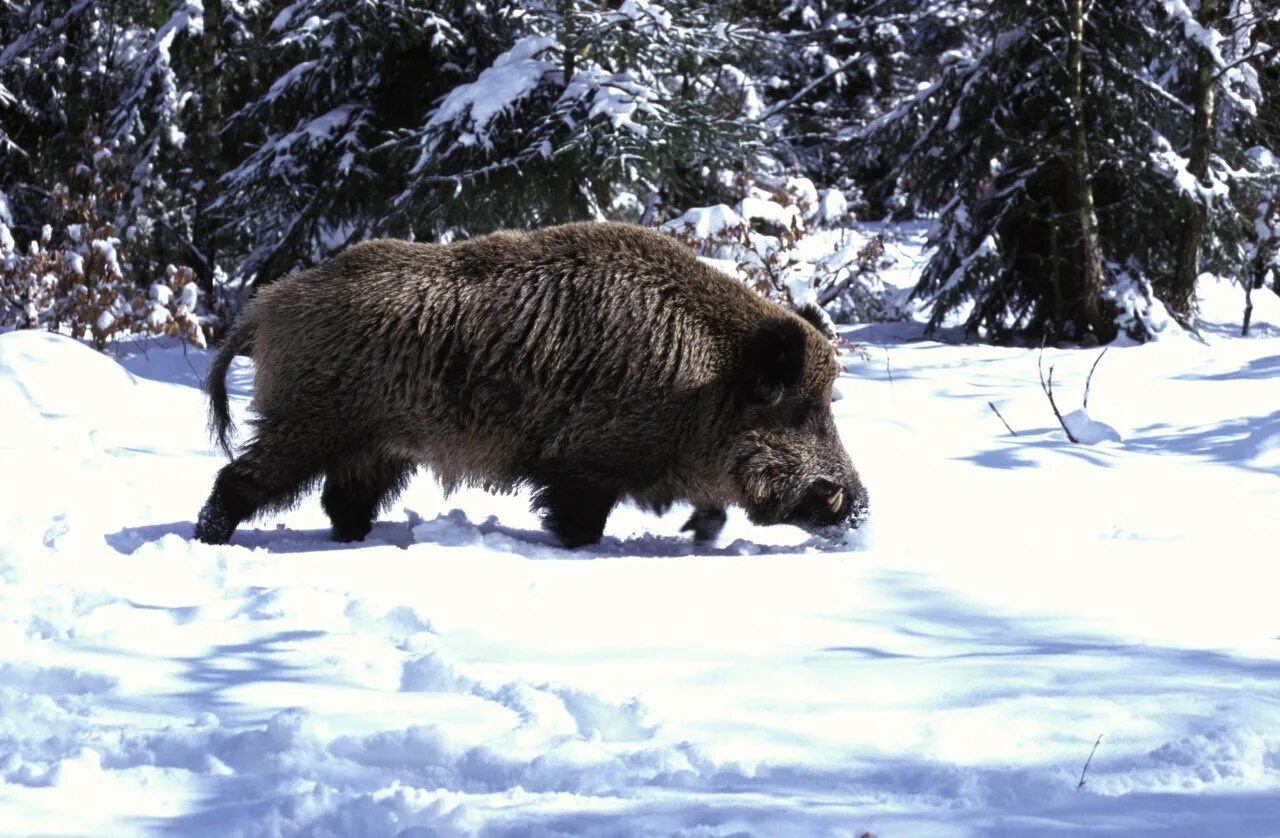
{"x": 786, "y": 455}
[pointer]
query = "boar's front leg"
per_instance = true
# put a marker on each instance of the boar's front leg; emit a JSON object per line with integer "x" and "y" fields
{"x": 357, "y": 491}
{"x": 575, "y": 512}
{"x": 705, "y": 523}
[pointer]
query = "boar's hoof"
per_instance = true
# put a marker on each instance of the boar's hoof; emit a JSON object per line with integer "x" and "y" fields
{"x": 347, "y": 532}
{"x": 575, "y": 514}
{"x": 572, "y": 530}
{"x": 214, "y": 526}
{"x": 705, "y": 523}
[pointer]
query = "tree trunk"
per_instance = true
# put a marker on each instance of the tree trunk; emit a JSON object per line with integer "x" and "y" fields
{"x": 569, "y": 44}
{"x": 1248, "y": 308}
{"x": 1196, "y": 222}
{"x": 78, "y": 111}
{"x": 206, "y": 167}
{"x": 1266, "y": 246}
{"x": 1091, "y": 249}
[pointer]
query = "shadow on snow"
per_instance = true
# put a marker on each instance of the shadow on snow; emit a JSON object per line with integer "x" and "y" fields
{"x": 455, "y": 529}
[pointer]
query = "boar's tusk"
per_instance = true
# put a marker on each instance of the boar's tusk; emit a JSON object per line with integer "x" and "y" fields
{"x": 836, "y": 500}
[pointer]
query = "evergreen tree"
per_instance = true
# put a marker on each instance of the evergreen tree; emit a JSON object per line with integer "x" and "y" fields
{"x": 1084, "y": 160}
{"x": 592, "y": 102}
{"x": 150, "y": 124}
{"x": 58, "y": 72}
{"x": 828, "y": 68}
{"x": 83, "y": 75}
{"x": 1224, "y": 177}
{"x": 316, "y": 174}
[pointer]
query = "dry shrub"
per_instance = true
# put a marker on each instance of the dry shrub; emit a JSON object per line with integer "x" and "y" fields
{"x": 76, "y": 278}
{"x": 793, "y": 246}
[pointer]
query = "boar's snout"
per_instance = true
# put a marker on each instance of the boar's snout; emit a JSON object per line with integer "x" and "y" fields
{"x": 827, "y": 502}
{"x": 803, "y": 479}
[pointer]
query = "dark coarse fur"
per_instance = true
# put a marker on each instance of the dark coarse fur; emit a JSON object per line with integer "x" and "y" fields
{"x": 590, "y": 362}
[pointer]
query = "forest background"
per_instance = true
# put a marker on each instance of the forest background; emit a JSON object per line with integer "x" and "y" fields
{"x": 1080, "y": 164}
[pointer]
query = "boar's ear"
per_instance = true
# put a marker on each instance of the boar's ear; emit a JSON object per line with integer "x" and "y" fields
{"x": 773, "y": 360}
{"x": 818, "y": 319}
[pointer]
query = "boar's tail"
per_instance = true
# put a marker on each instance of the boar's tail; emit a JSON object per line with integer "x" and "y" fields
{"x": 239, "y": 341}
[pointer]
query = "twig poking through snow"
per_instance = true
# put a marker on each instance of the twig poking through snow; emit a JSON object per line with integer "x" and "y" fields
{"x": 992, "y": 405}
{"x": 1048, "y": 391}
{"x": 1080, "y": 785}
{"x": 1248, "y": 308}
{"x": 889, "y": 371}
{"x": 1089, "y": 381}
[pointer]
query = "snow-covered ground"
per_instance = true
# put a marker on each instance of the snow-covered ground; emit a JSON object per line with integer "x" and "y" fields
{"x": 1011, "y": 600}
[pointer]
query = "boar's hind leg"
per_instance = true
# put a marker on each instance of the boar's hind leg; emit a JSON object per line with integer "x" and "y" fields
{"x": 574, "y": 512}
{"x": 705, "y": 523}
{"x": 259, "y": 479}
{"x": 356, "y": 492}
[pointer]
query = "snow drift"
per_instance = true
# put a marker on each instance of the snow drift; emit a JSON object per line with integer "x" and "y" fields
{"x": 947, "y": 674}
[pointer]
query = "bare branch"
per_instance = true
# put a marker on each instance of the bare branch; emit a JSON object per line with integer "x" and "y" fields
{"x": 804, "y": 91}
{"x": 997, "y": 412}
{"x": 1047, "y": 387}
{"x": 1080, "y": 785}
{"x": 1253, "y": 56}
{"x": 1088, "y": 381}
{"x": 889, "y": 370}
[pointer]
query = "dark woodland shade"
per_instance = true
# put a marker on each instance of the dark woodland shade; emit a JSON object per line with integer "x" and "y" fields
{"x": 1027, "y": 135}
{"x": 262, "y": 138}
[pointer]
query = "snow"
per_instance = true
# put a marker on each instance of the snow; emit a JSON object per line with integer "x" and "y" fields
{"x": 645, "y": 13}
{"x": 1087, "y": 430}
{"x": 513, "y": 76}
{"x": 617, "y": 97}
{"x": 1176, "y": 167}
{"x": 945, "y": 672}
{"x": 161, "y": 293}
{"x": 1221, "y": 300}
{"x": 770, "y": 211}
{"x": 1138, "y": 308}
{"x": 107, "y": 247}
{"x": 282, "y": 85}
{"x": 1194, "y": 31}
{"x": 1262, "y": 158}
{"x": 705, "y": 222}
{"x": 833, "y": 208}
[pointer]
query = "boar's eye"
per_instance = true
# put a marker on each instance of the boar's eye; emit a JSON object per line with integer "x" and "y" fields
{"x": 805, "y": 414}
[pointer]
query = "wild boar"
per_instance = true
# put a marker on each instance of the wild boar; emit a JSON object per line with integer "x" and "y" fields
{"x": 590, "y": 363}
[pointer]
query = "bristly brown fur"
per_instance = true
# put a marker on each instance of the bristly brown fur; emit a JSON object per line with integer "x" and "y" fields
{"x": 593, "y": 362}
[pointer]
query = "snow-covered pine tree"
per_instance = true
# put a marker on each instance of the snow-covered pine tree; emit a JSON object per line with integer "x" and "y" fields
{"x": 1267, "y": 219}
{"x": 987, "y": 146}
{"x": 593, "y": 109}
{"x": 827, "y": 68}
{"x": 1044, "y": 112}
{"x": 56, "y": 87}
{"x": 1004, "y": 144}
{"x": 151, "y": 126}
{"x": 337, "y": 79}
{"x": 1222, "y": 169}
